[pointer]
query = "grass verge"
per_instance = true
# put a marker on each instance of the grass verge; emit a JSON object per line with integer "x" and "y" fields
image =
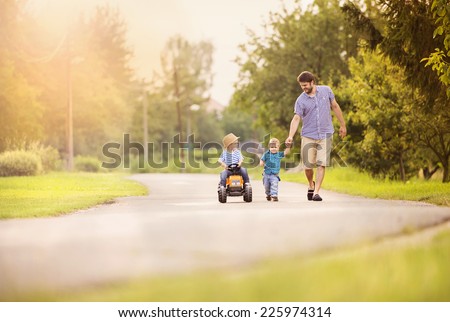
{"x": 59, "y": 193}
{"x": 417, "y": 272}
{"x": 351, "y": 181}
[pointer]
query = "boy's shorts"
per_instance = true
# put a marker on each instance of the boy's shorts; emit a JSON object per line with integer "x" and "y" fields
{"x": 316, "y": 152}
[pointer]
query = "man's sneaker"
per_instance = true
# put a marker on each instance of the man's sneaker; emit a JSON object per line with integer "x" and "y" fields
{"x": 268, "y": 198}
{"x": 317, "y": 198}
{"x": 274, "y": 198}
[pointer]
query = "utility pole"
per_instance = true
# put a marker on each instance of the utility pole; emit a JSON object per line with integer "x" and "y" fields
{"x": 69, "y": 125}
{"x": 145, "y": 125}
{"x": 180, "y": 125}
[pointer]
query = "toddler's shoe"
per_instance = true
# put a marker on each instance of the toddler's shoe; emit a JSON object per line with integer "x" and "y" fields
{"x": 268, "y": 198}
{"x": 274, "y": 198}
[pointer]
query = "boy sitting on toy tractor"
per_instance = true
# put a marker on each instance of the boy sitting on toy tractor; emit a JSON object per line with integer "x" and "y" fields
{"x": 234, "y": 180}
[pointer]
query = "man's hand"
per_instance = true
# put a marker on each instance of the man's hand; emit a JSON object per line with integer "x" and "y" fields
{"x": 342, "y": 131}
{"x": 289, "y": 142}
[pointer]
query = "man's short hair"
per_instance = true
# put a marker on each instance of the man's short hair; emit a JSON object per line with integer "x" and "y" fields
{"x": 305, "y": 77}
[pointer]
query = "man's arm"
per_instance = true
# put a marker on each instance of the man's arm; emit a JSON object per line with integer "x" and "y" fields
{"x": 293, "y": 129}
{"x": 338, "y": 112}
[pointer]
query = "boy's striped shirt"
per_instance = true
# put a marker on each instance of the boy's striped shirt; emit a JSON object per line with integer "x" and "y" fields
{"x": 231, "y": 157}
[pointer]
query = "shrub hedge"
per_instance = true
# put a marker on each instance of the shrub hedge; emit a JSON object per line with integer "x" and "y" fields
{"x": 87, "y": 164}
{"x": 50, "y": 158}
{"x": 19, "y": 163}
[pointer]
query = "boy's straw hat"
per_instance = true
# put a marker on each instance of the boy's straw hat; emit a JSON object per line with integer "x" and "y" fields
{"x": 228, "y": 139}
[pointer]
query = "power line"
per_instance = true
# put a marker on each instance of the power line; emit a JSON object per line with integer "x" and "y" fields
{"x": 24, "y": 55}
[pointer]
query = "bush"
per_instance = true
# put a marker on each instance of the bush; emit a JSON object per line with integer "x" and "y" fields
{"x": 19, "y": 163}
{"x": 87, "y": 164}
{"x": 50, "y": 158}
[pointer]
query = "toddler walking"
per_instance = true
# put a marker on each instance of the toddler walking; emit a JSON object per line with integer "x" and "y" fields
{"x": 271, "y": 160}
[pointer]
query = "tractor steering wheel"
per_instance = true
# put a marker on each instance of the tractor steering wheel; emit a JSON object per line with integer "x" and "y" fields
{"x": 234, "y": 166}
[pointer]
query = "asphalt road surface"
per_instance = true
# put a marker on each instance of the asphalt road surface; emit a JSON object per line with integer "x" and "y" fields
{"x": 181, "y": 226}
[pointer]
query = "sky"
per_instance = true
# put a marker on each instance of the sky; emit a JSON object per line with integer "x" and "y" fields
{"x": 152, "y": 22}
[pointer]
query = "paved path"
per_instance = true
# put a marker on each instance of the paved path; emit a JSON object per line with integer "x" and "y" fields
{"x": 181, "y": 226}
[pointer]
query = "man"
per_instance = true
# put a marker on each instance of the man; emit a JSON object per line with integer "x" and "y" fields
{"x": 313, "y": 108}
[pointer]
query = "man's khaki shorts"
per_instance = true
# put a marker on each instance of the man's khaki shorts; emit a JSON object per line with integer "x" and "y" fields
{"x": 316, "y": 152}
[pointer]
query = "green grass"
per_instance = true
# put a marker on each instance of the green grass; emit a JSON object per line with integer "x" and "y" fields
{"x": 370, "y": 273}
{"x": 351, "y": 181}
{"x": 59, "y": 193}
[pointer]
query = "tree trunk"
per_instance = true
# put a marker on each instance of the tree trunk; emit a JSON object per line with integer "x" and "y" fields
{"x": 427, "y": 173}
{"x": 446, "y": 176}
{"x": 402, "y": 169}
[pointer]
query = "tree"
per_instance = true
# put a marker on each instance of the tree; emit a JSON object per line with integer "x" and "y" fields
{"x": 242, "y": 123}
{"x": 105, "y": 36}
{"x": 439, "y": 59}
{"x": 21, "y": 112}
{"x": 318, "y": 40}
{"x": 382, "y": 104}
{"x": 185, "y": 80}
{"x": 406, "y": 37}
{"x": 37, "y": 66}
{"x": 186, "y": 75}
{"x": 102, "y": 81}
{"x": 162, "y": 126}
{"x": 20, "y": 109}
{"x": 432, "y": 131}
{"x": 94, "y": 50}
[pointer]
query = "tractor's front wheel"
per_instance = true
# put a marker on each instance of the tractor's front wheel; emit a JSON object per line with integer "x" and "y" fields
{"x": 222, "y": 194}
{"x": 248, "y": 193}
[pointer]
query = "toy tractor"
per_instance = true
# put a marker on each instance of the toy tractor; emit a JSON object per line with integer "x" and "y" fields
{"x": 235, "y": 186}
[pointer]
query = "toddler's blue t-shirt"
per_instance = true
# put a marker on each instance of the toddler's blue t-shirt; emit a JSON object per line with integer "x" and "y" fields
{"x": 272, "y": 162}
